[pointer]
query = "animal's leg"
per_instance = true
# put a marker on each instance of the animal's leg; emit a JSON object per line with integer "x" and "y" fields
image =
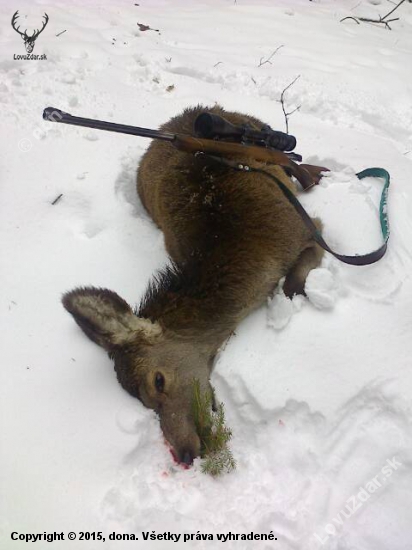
{"x": 310, "y": 257}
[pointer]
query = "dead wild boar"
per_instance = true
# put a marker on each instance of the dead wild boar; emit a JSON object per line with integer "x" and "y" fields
{"x": 231, "y": 237}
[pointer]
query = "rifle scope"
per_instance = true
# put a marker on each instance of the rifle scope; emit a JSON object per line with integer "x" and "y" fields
{"x": 211, "y": 126}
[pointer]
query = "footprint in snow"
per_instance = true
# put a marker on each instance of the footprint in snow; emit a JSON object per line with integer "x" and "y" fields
{"x": 296, "y": 477}
{"x": 378, "y": 283}
{"x": 125, "y": 184}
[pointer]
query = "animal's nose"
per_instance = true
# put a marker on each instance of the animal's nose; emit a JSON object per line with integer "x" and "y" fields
{"x": 187, "y": 457}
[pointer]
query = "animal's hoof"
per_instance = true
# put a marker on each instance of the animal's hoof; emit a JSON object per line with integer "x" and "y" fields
{"x": 293, "y": 286}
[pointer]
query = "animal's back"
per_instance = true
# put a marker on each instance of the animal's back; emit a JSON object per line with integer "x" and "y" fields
{"x": 239, "y": 226}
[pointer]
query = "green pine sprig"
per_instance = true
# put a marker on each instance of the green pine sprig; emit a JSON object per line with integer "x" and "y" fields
{"x": 214, "y": 435}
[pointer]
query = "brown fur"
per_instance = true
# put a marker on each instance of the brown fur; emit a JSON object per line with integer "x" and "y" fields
{"x": 231, "y": 237}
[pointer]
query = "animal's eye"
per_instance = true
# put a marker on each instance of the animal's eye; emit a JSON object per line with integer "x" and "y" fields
{"x": 160, "y": 382}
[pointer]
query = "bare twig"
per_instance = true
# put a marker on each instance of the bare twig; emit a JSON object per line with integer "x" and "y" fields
{"x": 268, "y": 60}
{"x": 286, "y": 114}
{"x": 218, "y": 63}
{"x": 61, "y": 32}
{"x": 382, "y": 20}
{"x": 348, "y": 17}
{"x": 294, "y": 111}
{"x": 56, "y": 200}
{"x": 395, "y": 8}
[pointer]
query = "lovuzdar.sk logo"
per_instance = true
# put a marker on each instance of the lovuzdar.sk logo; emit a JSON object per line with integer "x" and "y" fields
{"x": 29, "y": 40}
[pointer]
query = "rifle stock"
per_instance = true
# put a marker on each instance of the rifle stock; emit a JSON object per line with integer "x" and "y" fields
{"x": 191, "y": 144}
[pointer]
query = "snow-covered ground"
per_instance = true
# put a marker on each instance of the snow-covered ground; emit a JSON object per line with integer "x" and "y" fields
{"x": 317, "y": 392}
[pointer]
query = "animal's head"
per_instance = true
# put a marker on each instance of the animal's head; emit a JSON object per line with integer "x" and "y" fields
{"x": 152, "y": 364}
{"x": 29, "y": 41}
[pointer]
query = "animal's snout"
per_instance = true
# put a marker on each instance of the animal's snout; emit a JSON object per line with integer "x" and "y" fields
{"x": 187, "y": 457}
{"x": 186, "y": 453}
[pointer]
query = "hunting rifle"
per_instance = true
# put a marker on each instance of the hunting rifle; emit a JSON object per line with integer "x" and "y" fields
{"x": 264, "y": 145}
{"x": 250, "y": 144}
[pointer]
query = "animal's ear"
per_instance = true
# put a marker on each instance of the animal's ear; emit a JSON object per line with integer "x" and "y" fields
{"x": 106, "y": 318}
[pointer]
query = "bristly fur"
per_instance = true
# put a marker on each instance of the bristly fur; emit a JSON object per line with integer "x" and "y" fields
{"x": 171, "y": 280}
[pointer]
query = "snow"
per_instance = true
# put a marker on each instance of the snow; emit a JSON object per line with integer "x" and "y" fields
{"x": 317, "y": 391}
{"x": 321, "y": 288}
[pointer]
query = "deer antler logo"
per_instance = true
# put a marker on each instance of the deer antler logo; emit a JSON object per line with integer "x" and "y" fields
{"x": 28, "y": 40}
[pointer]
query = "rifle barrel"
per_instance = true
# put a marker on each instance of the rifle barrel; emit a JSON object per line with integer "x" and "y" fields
{"x": 56, "y": 115}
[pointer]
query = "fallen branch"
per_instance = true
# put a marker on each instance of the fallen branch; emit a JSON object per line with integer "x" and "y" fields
{"x": 382, "y": 20}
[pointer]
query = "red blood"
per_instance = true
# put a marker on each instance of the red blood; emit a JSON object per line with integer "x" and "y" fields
{"x": 172, "y": 452}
